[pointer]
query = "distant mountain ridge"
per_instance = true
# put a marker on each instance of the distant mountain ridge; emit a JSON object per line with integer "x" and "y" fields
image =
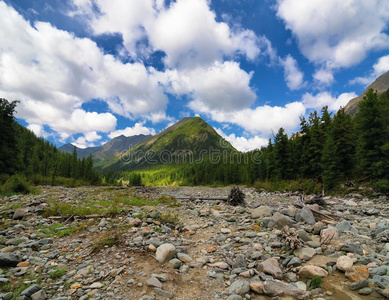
{"x": 187, "y": 140}
{"x": 116, "y": 145}
{"x": 380, "y": 85}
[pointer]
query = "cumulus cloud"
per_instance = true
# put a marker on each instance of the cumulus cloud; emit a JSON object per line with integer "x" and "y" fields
{"x": 293, "y": 76}
{"x": 379, "y": 68}
{"x": 83, "y": 143}
{"x": 137, "y": 129}
{"x": 92, "y": 136}
{"x": 335, "y": 34}
{"x": 223, "y": 86}
{"x": 262, "y": 119}
{"x": 243, "y": 144}
{"x": 186, "y": 30}
{"x": 53, "y": 73}
{"x": 322, "y": 99}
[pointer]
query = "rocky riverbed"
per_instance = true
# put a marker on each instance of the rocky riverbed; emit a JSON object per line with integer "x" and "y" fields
{"x": 110, "y": 243}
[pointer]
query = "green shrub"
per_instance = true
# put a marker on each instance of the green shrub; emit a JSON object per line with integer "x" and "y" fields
{"x": 16, "y": 184}
{"x": 316, "y": 282}
{"x": 57, "y": 273}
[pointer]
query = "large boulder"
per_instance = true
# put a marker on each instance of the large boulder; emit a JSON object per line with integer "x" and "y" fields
{"x": 271, "y": 267}
{"x": 262, "y": 211}
{"x": 165, "y": 252}
{"x": 279, "y": 221}
{"x": 305, "y": 253}
{"x": 310, "y": 271}
{"x": 9, "y": 259}
{"x": 344, "y": 263}
{"x": 306, "y": 216}
{"x": 274, "y": 288}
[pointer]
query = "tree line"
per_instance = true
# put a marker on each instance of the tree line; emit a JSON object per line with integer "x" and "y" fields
{"x": 327, "y": 150}
{"x": 22, "y": 152}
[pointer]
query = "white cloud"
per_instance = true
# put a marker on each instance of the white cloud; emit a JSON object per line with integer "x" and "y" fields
{"x": 262, "y": 119}
{"x": 186, "y": 31}
{"x": 293, "y": 76}
{"x": 221, "y": 86}
{"x": 82, "y": 143}
{"x": 336, "y": 34}
{"x": 53, "y": 73}
{"x": 379, "y": 68}
{"x": 243, "y": 144}
{"x": 137, "y": 129}
{"x": 38, "y": 130}
{"x": 322, "y": 99}
{"x": 324, "y": 76}
{"x": 92, "y": 136}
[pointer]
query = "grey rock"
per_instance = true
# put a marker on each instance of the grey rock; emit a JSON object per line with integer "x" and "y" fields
{"x": 176, "y": 263}
{"x": 274, "y": 288}
{"x": 40, "y": 295}
{"x": 344, "y": 226}
{"x": 262, "y": 211}
{"x": 9, "y": 259}
{"x": 279, "y": 221}
{"x": 307, "y": 216}
{"x": 319, "y": 226}
{"x": 154, "y": 282}
{"x": 239, "y": 287}
{"x": 31, "y": 290}
{"x": 304, "y": 235}
{"x": 165, "y": 252}
{"x": 240, "y": 262}
{"x": 271, "y": 266}
{"x": 356, "y": 285}
{"x": 162, "y": 293}
{"x": 19, "y": 213}
{"x": 234, "y": 297}
{"x": 294, "y": 262}
{"x": 365, "y": 291}
{"x": 305, "y": 253}
{"x": 352, "y": 247}
{"x": 184, "y": 257}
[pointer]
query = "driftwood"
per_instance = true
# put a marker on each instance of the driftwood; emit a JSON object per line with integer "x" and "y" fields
{"x": 68, "y": 218}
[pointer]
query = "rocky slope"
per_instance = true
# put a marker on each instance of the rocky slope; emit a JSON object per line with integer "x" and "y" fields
{"x": 380, "y": 85}
{"x": 201, "y": 249}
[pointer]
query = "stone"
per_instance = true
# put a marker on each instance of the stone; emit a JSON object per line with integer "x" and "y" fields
{"x": 351, "y": 247}
{"x": 40, "y": 295}
{"x": 184, "y": 257}
{"x": 294, "y": 262}
{"x": 271, "y": 267}
{"x": 19, "y": 213}
{"x": 154, "y": 282}
{"x": 300, "y": 284}
{"x": 357, "y": 273}
{"x": 262, "y": 211}
{"x": 220, "y": 265}
{"x": 96, "y": 285}
{"x": 279, "y": 221}
{"x": 319, "y": 226}
{"x": 165, "y": 252}
{"x": 365, "y": 291}
{"x": 9, "y": 259}
{"x": 23, "y": 264}
{"x": 310, "y": 271}
{"x": 305, "y": 253}
{"x": 175, "y": 262}
{"x": 31, "y": 290}
{"x": 304, "y": 235}
{"x": 329, "y": 234}
{"x": 257, "y": 287}
{"x": 240, "y": 262}
{"x": 225, "y": 230}
{"x": 274, "y": 288}
{"x": 344, "y": 226}
{"x": 344, "y": 263}
{"x": 357, "y": 285}
{"x": 307, "y": 216}
{"x": 234, "y": 297}
{"x": 165, "y": 294}
{"x": 239, "y": 287}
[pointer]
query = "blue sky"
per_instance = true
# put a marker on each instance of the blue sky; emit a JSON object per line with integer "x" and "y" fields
{"x": 86, "y": 71}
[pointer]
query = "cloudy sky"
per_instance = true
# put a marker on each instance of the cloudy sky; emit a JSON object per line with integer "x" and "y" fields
{"x": 86, "y": 71}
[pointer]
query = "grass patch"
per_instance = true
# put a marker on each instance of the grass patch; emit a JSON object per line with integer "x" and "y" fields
{"x": 57, "y": 273}
{"x": 55, "y": 231}
{"x": 108, "y": 239}
{"x": 316, "y": 282}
